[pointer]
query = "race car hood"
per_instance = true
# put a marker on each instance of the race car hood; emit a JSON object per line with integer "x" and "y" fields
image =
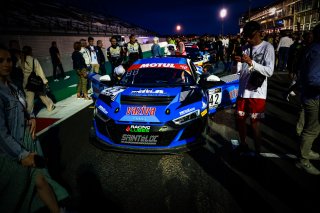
{"x": 151, "y": 105}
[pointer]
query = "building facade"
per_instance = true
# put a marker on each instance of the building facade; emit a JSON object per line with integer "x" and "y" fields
{"x": 293, "y": 15}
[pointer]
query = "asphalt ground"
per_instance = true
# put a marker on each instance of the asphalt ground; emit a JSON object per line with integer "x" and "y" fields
{"x": 210, "y": 178}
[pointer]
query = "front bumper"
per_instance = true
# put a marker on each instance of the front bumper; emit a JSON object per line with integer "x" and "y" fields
{"x": 164, "y": 138}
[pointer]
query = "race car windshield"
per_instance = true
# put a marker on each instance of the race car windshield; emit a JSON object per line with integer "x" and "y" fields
{"x": 157, "y": 77}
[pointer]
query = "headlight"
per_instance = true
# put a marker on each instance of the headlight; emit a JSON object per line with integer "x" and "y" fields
{"x": 187, "y": 118}
{"x": 102, "y": 113}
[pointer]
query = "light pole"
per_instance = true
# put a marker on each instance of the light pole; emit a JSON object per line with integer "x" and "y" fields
{"x": 223, "y": 14}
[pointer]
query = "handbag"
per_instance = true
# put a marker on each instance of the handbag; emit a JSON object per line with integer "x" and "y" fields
{"x": 34, "y": 83}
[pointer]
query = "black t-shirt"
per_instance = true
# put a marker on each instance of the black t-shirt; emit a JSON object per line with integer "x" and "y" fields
{"x": 54, "y": 51}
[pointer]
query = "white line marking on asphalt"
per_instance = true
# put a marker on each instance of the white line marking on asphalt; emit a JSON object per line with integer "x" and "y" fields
{"x": 235, "y": 144}
{"x": 273, "y": 155}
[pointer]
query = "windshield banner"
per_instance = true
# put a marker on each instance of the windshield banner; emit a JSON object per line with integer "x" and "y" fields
{"x": 159, "y": 65}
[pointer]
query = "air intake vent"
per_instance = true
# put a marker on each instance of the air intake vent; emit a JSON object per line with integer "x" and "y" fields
{"x": 146, "y": 100}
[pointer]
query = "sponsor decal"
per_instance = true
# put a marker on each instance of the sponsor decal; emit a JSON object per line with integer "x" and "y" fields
{"x": 138, "y": 118}
{"x": 137, "y": 128}
{"x": 186, "y": 111}
{"x": 159, "y": 65}
{"x": 113, "y": 92}
{"x": 215, "y": 96}
{"x": 164, "y": 65}
{"x": 140, "y": 139}
{"x": 233, "y": 93}
{"x": 184, "y": 67}
{"x": 133, "y": 72}
{"x": 102, "y": 109}
{"x": 144, "y": 110}
{"x": 148, "y": 91}
{"x": 204, "y": 112}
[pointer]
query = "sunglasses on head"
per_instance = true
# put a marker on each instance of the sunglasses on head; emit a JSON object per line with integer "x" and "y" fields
{"x": 9, "y": 60}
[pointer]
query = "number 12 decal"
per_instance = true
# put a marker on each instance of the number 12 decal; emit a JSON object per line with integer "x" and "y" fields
{"x": 215, "y": 96}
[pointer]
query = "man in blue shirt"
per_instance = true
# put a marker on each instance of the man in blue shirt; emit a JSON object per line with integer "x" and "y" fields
{"x": 155, "y": 48}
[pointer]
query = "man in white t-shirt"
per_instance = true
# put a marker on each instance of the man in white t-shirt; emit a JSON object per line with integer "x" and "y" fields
{"x": 94, "y": 54}
{"x": 257, "y": 65}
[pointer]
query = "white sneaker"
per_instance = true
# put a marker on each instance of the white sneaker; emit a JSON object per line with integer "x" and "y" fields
{"x": 56, "y": 80}
{"x": 292, "y": 93}
{"x": 67, "y": 77}
{"x": 288, "y": 97}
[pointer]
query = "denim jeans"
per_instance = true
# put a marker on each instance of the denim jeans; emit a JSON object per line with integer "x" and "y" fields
{"x": 311, "y": 128}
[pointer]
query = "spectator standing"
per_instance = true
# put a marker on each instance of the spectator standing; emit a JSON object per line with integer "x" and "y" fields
{"x": 87, "y": 58}
{"x": 101, "y": 57}
{"x": 80, "y": 66}
{"x": 170, "y": 49}
{"x": 181, "y": 49}
{"x": 28, "y": 64}
{"x": 23, "y": 187}
{"x": 133, "y": 50}
{"x": 170, "y": 40}
{"x": 155, "y": 48}
{"x": 293, "y": 57}
{"x": 310, "y": 85}
{"x": 220, "y": 52}
{"x": 94, "y": 54}
{"x": 115, "y": 54}
{"x": 56, "y": 62}
{"x": 85, "y": 53}
{"x": 257, "y": 62}
{"x": 283, "y": 51}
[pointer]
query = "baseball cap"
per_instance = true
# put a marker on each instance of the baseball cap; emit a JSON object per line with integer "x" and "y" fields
{"x": 250, "y": 27}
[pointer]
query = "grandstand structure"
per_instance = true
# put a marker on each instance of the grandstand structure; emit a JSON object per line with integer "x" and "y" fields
{"x": 34, "y": 17}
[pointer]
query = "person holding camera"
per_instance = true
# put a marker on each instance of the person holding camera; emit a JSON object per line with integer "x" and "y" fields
{"x": 257, "y": 61}
{"x": 24, "y": 187}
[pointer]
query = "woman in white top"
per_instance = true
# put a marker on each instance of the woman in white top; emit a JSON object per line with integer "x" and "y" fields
{"x": 27, "y": 63}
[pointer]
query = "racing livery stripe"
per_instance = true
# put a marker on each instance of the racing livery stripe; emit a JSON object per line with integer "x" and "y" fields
{"x": 159, "y": 65}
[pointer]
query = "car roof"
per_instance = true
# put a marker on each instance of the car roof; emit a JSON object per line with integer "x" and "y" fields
{"x": 172, "y": 60}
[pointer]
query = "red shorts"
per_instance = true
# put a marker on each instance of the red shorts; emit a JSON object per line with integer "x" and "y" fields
{"x": 252, "y": 107}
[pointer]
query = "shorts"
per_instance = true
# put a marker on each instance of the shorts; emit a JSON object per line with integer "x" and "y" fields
{"x": 252, "y": 107}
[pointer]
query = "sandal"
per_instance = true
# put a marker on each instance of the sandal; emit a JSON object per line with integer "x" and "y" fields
{"x": 86, "y": 97}
{"x": 52, "y": 108}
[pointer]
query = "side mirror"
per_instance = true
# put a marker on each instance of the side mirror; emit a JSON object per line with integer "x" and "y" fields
{"x": 212, "y": 78}
{"x": 105, "y": 78}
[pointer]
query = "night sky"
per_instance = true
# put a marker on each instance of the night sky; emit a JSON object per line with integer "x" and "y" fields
{"x": 195, "y": 16}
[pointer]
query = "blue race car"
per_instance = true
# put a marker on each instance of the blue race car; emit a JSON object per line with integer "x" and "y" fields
{"x": 159, "y": 105}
